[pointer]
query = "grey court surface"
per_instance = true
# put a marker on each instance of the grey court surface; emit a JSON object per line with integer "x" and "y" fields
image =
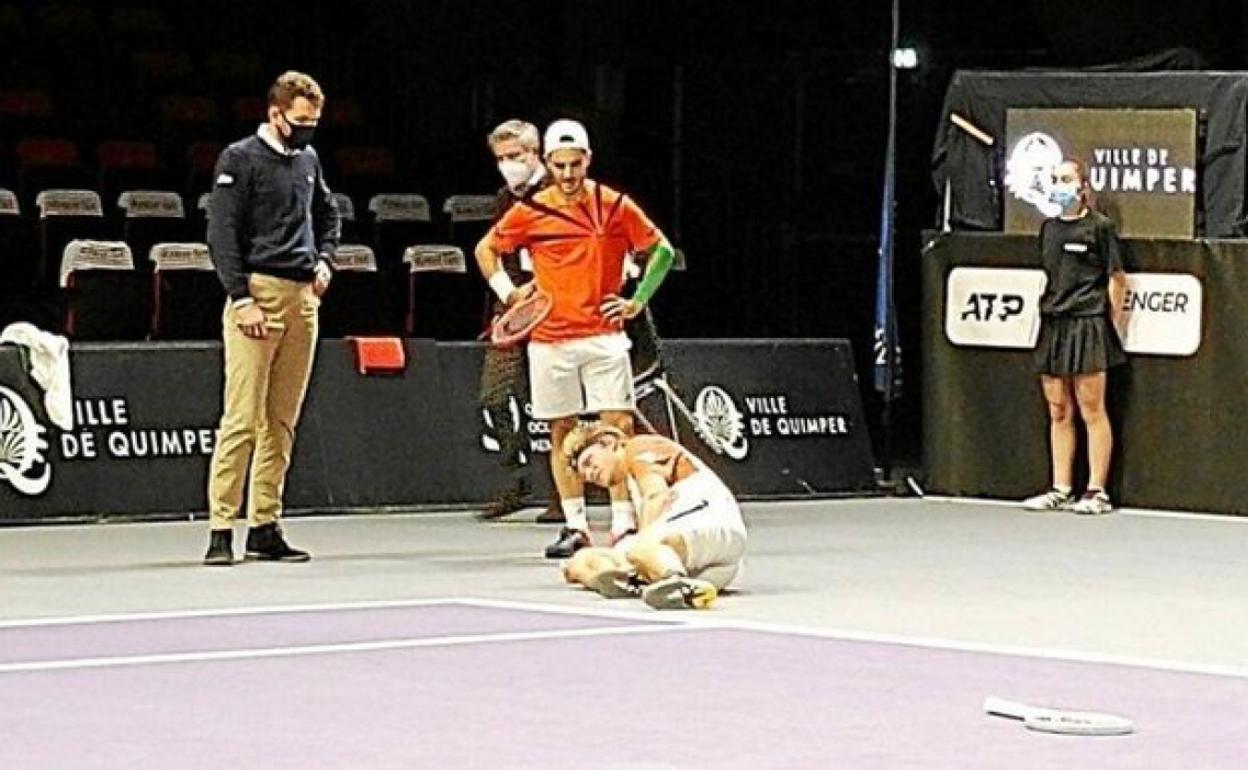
{"x": 865, "y": 635}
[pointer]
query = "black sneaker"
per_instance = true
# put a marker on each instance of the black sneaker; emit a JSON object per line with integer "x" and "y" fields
{"x": 265, "y": 543}
{"x": 570, "y": 541}
{"x": 220, "y": 548}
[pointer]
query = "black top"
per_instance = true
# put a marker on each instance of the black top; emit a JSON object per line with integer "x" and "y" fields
{"x": 1078, "y": 256}
{"x": 270, "y": 213}
{"x": 503, "y": 201}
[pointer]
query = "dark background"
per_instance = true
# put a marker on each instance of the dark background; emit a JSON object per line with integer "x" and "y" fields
{"x": 752, "y": 132}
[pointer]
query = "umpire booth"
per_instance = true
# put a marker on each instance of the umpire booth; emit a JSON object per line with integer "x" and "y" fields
{"x": 1166, "y": 157}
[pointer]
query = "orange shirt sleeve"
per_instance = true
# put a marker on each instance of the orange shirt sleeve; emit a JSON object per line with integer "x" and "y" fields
{"x": 642, "y": 234}
{"x": 512, "y": 231}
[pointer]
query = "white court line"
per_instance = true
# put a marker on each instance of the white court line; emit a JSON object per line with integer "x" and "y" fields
{"x": 642, "y": 613}
{"x": 708, "y": 621}
{"x": 223, "y": 612}
{"x": 1143, "y": 513}
{"x": 1222, "y": 518}
{"x": 328, "y": 649}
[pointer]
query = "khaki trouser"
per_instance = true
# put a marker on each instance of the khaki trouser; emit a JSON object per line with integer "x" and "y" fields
{"x": 265, "y": 382}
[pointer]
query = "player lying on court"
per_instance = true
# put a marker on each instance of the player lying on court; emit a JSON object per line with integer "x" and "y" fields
{"x": 691, "y": 537}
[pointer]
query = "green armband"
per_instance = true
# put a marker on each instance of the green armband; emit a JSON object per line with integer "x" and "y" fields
{"x": 657, "y": 267}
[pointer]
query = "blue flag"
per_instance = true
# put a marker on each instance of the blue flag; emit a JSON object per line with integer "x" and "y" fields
{"x": 886, "y": 348}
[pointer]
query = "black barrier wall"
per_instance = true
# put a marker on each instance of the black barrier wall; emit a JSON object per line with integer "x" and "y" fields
{"x": 1179, "y": 439}
{"x": 788, "y": 414}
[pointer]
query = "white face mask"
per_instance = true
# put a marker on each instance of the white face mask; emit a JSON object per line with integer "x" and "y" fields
{"x": 515, "y": 172}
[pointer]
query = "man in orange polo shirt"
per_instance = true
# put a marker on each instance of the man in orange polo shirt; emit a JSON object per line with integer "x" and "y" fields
{"x": 578, "y": 233}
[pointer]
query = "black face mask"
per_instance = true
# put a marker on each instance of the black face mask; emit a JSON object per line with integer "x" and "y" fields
{"x": 300, "y": 136}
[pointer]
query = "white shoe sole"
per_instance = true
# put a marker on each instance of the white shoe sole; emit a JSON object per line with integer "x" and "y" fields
{"x": 680, "y": 593}
{"x": 613, "y": 584}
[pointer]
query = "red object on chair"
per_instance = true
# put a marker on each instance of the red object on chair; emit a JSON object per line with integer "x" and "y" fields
{"x": 379, "y": 355}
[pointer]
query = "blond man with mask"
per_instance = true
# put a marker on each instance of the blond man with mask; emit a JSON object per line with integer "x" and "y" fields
{"x": 516, "y": 146}
{"x": 273, "y": 232}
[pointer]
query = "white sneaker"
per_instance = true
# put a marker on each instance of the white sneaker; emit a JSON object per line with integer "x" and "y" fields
{"x": 1093, "y": 504}
{"x": 1053, "y": 500}
{"x": 678, "y": 592}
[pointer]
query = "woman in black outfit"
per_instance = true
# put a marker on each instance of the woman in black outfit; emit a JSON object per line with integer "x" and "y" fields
{"x": 1080, "y": 254}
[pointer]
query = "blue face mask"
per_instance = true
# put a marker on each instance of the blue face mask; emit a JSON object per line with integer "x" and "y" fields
{"x": 1064, "y": 194}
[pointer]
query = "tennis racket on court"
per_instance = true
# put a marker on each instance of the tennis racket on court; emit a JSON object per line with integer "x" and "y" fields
{"x": 1060, "y": 721}
{"x": 518, "y": 321}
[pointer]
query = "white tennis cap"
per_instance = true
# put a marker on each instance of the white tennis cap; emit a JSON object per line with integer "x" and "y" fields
{"x": 565, "y": 135}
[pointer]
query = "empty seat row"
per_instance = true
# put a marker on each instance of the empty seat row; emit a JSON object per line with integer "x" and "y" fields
{"x": 148, "y": 217}
{"x": 45, "y": 162}
{"x": 108, "y": 298}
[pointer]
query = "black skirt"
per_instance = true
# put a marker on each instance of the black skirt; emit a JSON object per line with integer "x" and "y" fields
{"x": 1077, "y": 345}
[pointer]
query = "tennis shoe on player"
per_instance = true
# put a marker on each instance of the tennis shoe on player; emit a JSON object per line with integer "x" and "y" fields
{"x": 1095, "y": 502}
{"x": 1053, "y": 500}
{"x": 618, "y": 584}
{"x": 678, "y": 592}
{"x": 266, "y": 543}
{"x": 570, "y": 541}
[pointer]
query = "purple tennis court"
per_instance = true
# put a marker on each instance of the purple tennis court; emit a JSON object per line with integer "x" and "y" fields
{"x": 476, "y": 684}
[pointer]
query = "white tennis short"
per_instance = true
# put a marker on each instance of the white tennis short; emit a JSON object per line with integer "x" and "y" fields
{"x": 577, "y": 376}
{"x": 706, "y": 516}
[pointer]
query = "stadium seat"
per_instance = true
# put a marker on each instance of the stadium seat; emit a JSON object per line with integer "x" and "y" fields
{"x": 17, "y": 258}
{"x": 189, "y": 118}
{"x": 346, "y": 213}
{"x": 152, "y": 217}
{"x": 247, "y": 113}
{"x": 137, "y": 26}
{"x": 158, "y": 72}
{"x": 106, "y": 298}
{"x": 443, "y": 300}
{"x": 25, "y": 113}
{"x": 399, "y": 221}
{"x": 187, "y": 295}
{"x": 229, "y": 70}
{"x": 201, "y": 161}
{"x": 468, "y": 219}
{"x": 44, "y": 164}
{"x": 126, "y": 166}
{"x": 359, "y": 298}
{"x": 64, "y": 216}
{"x": 203, "y": 206}
{"x": 364, "y": 171}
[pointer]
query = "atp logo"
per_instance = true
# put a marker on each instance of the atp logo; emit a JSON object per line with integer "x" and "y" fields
{"x": 1029, "y": 171}
{"x": 720, "y": 423}
{"x": 23, "y": 446}
{"x": 988, "y": 306}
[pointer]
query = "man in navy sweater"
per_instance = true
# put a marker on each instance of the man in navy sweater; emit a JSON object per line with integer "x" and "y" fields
{"x": 272, "y": 233}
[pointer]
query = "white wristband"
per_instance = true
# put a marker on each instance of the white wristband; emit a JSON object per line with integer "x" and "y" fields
{"x": 501, "y": 283}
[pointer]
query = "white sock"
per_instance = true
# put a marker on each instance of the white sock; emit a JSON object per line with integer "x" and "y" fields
{"x": 574, "y": 512}
{"x": 1065, "y": 489}
{"x": 623, "y": 517}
